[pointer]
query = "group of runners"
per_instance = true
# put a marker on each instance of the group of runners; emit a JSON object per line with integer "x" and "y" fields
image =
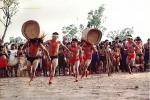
{"x": 78, "y": 56}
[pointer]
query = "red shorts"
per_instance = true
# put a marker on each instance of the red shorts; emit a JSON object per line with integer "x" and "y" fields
{"x": 72, "y": 61}
{"x": 131, "y": 56}
{"x": 86, "y": 58}
{"x": 3, "y": 63}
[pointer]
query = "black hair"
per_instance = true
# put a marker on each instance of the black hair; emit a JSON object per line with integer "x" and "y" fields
{"x": 106, "y": 41}
{"x": 68, "y": 43}
{"x": 129, "y": 35}
{"x": 75, "y": 40}
{"x": 116, "y": 38}
{"x": 55, "y": 33}
{"x": 120, "y": 41}
{"x": 138, "y": 38}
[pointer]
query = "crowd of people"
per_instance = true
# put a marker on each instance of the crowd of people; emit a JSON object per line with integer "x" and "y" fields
{"x": 75, "y": 58}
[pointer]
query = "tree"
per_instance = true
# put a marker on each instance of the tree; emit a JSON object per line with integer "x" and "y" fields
{"x": 125, "y": 32}
{"x": 11, "y": 39}
{"x": 81, "y": 27}
{"x": 9, "y": 9}
{"x": 120, "y": 34}
{"x": 72, "y": 31}
{"x": 95, "y": 18}
{"x": 16, "y": 40}
{"x": 113, "y": 34}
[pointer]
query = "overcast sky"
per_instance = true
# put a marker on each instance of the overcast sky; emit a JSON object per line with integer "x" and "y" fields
{"x": 52, "y": 15}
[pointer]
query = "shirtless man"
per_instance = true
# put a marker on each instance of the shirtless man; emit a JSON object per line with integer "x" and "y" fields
{"x": 139, "y": 54}
{"x": 68, "y": 59}
{"x": 53, "y": 48}
{"x": 102, "y": 57}
{"x": 32, "y": 49}
{"x": 130, "y": 46}
{"x": 76, "y": 54}
{"x": 108, "y": 53}
{"x": 116, "y": 43}
{"x": 88, "y": 50}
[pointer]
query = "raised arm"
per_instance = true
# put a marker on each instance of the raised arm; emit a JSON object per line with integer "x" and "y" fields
{"x": 64, "y": 46}
{"x": 136, "y": 46}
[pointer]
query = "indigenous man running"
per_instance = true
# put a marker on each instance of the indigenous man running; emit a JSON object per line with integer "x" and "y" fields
{"x": 53, "y": 48}
{"x": 32, "y": 48}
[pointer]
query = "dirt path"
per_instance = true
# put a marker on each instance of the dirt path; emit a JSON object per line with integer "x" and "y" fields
{"x": 120, "y": 86}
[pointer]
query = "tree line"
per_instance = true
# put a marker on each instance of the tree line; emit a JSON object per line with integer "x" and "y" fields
{"x": 95, "y": 19}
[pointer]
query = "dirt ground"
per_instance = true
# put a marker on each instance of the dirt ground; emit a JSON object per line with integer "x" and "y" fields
{"x": 120, "y": 86}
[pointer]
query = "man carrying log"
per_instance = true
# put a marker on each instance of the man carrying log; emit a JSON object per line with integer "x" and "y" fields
{"x": 33, "y": 46}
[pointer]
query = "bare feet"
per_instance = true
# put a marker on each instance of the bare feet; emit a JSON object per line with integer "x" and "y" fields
{"x": 31, "y": 79}
{"x": 87, "y": 73}
{"x": 50, "y": 79}
{"x": 49, "y": 82}
{"x": 30, "y": 82}
{"x": 76, "y": 80}
{"x": 130, "y": 72}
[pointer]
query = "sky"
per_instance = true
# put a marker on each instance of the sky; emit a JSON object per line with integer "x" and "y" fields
{"x": 52, "y": 15}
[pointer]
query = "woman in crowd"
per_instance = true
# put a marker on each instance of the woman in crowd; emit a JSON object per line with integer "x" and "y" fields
{"x": 76, "y": 54}
{"x": 3, "y": 61}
